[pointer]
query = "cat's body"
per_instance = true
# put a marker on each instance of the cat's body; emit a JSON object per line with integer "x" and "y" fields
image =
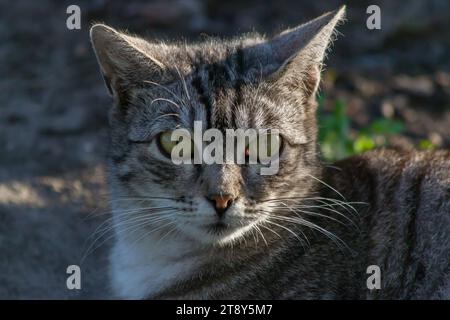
{"x": 403, "y": 221}
{"x": 223, "y": 230}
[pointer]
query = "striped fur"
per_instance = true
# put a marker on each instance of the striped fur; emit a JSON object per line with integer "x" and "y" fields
{"x": 307, "y": 232}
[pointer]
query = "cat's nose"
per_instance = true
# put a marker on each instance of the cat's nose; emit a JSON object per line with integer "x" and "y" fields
{"x": 221, "y": 203}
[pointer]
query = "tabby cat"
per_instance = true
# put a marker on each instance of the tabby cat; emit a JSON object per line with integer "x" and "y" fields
{"x": 223, "y": 231}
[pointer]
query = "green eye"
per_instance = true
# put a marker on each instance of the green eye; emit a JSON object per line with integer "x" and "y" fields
{"x": 166, "y": 144}
{"x": 271, "y": 144}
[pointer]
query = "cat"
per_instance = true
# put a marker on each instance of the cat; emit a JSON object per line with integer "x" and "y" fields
{"x": 223, "y": 231}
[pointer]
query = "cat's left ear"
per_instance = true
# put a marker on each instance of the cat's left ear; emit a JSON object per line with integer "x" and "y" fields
{"x": 297, "y": 54}
{"x": 126, "y": 61}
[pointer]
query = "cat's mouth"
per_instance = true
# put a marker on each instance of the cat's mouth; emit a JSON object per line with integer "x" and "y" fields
{"x": 220, "y": 231}
{"x": 208, "y": 227}
{"x": 217, "y": 227}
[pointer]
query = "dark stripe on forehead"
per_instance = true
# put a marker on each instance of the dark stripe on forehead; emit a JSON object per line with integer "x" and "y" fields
{"x": 239, "y": 81}
{"x": 240, "y": 61}
{"x": 219, "y": 76}
{"x": 204, "y": 98}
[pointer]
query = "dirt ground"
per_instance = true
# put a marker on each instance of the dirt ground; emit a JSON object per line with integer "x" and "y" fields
{"x": 53, "y": 124}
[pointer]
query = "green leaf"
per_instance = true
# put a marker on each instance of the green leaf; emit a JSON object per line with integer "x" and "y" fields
{"x": 334, "y": 128}
{"x": 385, "y": 127}
{"x": 425, "y": 144}
{"x": 363, "y": 143}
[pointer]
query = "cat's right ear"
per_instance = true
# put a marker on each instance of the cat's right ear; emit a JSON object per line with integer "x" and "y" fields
{"x": 125, "y": 61}
{"x": 295, "y": 56}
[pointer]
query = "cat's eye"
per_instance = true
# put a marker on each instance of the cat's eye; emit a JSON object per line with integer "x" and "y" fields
{"x": 166, "y": 144}
{"x": 266, "y": 148}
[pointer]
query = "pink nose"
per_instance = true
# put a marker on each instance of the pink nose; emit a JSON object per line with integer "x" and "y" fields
{"x": 221, "y": 203}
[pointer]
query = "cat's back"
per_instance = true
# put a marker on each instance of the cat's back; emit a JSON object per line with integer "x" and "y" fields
{"x": 387, "y": 172}
{"x": 406, "y": 218}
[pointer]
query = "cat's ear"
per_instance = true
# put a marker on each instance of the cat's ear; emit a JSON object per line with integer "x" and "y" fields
{"x": 298, "y": 53}
{"x": 125, "y": 61}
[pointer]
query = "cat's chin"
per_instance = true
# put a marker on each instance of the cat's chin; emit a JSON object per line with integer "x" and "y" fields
{"x": 218, "y": 233}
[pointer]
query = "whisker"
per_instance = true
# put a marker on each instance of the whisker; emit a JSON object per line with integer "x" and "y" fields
{"x": 326, "y": 184}
{"x": 287, "y": 229}
{"x": 254, "y": 235}
{"x": 148, "y": 233}
{"x": 140, "y": 220}
{"x": 262, "y": 235}
{"x": 166, "y": 100}
{"x": 165, "y": 88}
{"x": 296, "y": 210}
{"x": 125, "y": 219}
{"x": 169, "y": 232}
{"x": 273, "y": 231}
{"x": 134, "y": 210}
{"x": 183, "y": 81}
{"x": 113, "y": 227}
{"x": 144, "y": 198}
{"x": 343, "y": 204}
{"x": 337, "y": 240}
{"x": 269, "y": 214}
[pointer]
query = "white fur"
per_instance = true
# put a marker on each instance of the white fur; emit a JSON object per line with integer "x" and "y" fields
{"x": 143, "y": 267}
{"x": 141, "y": 270}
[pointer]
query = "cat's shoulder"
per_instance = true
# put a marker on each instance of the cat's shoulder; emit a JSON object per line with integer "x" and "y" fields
{"x": 383, "y": 169}
{"x": 395, "y": 160}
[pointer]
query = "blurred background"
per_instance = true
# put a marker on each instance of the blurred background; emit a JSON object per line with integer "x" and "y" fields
{"x": 380, "y": 87}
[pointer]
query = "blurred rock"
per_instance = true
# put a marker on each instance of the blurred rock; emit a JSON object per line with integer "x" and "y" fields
{"x": 367, "y": 87}
{"x": 436, "y": 139}
{"x": 421, "y": 86}
{"x": 400, "y": 101}
{"x": 387, "y": 108}
{"x": 443, "y": 81}
{"x": 401, "y": 142}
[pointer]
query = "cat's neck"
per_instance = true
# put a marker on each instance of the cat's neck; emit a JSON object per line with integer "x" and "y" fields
{"x": 145, "y": 268}
{"x": 151, "y": 267}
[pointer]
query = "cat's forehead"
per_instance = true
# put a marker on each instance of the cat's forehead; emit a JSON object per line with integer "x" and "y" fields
{"x": 227, "y": 106}
{"x": 219, "y": 85}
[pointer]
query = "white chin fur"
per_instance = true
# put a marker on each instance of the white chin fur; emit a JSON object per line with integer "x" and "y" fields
{"x": 141, "y": 270}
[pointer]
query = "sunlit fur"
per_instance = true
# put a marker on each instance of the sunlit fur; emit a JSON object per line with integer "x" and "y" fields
{"x": 289, "y": 235}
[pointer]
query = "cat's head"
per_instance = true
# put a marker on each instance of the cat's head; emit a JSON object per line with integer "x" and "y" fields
{"x": 247, "y": 82}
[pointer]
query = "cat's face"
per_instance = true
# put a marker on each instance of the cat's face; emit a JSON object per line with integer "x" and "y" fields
{"x": 250, "y": 82}
{"x": 215, "y": 202}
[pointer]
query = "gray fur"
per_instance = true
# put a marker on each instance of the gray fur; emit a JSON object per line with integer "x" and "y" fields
{"x": 388, "y": 208}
